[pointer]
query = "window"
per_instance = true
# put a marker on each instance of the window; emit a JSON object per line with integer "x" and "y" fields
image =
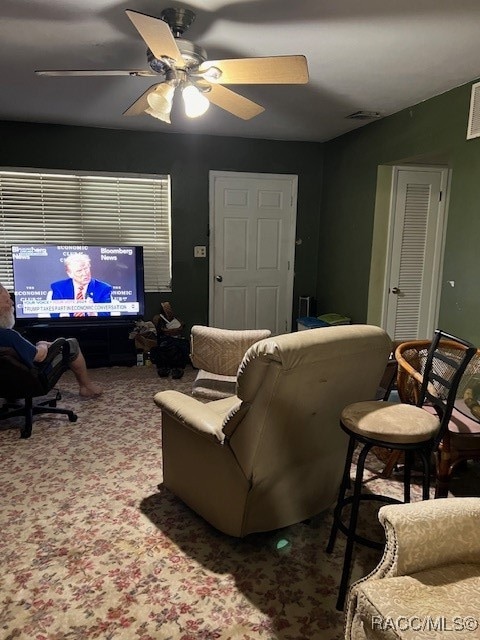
{"x": 54, "y": 207}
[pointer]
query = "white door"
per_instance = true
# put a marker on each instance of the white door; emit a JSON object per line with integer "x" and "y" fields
{"x": 252, "y": 250}
{"x": 417, "y": 224}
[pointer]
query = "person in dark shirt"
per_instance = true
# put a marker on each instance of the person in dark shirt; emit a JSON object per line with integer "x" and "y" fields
{"x": 34, "y": 354}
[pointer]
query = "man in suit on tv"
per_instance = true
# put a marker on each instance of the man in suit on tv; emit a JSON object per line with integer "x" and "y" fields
{"x": 80, "y": 285}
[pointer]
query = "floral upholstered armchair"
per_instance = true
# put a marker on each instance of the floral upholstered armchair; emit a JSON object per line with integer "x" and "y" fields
{"x": 427, "y": 584}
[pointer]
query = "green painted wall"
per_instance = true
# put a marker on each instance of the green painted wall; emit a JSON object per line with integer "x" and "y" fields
{"x": 188, "y": 159}
{"x": 434, "y": 128}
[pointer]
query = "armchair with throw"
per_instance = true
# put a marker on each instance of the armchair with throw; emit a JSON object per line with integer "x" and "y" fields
{"x": 217, "y": 353}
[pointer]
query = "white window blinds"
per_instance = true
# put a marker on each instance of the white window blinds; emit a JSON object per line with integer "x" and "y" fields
{"x": 93, "y": 209}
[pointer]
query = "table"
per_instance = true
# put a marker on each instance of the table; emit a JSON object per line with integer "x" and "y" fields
{"x": 468, "y": 400}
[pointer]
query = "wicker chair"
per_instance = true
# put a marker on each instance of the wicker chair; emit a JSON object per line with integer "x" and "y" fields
{"x": 461, "y": 441}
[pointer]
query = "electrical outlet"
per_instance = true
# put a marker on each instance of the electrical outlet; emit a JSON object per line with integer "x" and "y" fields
{"x": 200, "y": 252}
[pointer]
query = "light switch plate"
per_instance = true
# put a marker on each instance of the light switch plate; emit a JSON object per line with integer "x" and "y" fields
{"x": 200, "y": 251}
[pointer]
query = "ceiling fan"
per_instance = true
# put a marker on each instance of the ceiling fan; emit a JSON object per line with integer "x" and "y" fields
{"x": 183, "y": 65}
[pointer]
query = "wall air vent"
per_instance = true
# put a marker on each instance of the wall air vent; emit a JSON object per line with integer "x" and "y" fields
{"x": 473, "y": 130}
{"x": 364, "y": 115}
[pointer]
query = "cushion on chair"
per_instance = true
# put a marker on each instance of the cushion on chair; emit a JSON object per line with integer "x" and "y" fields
{"x": 462, "y": 423}
{"x": 213, "y": 386}
{"x": 464, "y": 431}
{"x": 390, "y": 421}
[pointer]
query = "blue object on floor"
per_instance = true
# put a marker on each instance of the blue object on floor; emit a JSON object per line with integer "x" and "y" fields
{"x": 310, "y": 322}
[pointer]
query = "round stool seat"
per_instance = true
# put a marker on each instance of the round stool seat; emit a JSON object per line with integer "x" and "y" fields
{"x": 390, "y": 422}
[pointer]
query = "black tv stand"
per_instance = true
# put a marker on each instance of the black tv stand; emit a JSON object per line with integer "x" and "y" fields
{"x": 104, "y": 344}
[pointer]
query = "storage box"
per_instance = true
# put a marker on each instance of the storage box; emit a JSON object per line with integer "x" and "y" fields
{"x": 335, "y": 319}
{"x": 309, "y": 322}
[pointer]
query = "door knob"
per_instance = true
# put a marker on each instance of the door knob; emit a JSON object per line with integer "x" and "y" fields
{"x": 219, "y": 278}
{"x": 396, "y": 290}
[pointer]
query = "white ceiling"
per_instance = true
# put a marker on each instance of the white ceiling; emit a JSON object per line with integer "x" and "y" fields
{"x": 375, "y": 55}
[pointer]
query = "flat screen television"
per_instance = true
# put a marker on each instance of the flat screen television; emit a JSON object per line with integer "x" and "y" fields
{"x": 77, "y": 283}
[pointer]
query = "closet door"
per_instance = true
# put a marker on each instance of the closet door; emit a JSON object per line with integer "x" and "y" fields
{"x": 416, "y": 250}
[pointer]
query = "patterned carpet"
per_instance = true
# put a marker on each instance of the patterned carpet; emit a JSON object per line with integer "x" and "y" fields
{"x": 93, "y": 546}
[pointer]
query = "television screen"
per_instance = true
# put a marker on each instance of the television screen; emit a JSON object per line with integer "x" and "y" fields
{"x": 77, "y": 281}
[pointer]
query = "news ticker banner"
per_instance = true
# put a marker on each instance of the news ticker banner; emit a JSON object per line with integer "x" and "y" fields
{"x": 80, "y": 306}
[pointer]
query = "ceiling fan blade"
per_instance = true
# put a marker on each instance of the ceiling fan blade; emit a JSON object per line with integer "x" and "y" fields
{"x": 138, "y": 107}
{"x": 157, "y": 36}
{"x": 272, "y": 70}
{"x": 97, "y": 72}
{"x": 233, "y": 102}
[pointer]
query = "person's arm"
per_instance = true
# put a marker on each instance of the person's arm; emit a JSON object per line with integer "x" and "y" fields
{"x": 108, "y": 293}
{"x": 101, "y": 291}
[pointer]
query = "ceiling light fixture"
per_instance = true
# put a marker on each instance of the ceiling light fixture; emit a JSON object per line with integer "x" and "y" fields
{"x": 196, "y": 104}
{"x": 160, "y": 102}
{"x": 212, "y": 74}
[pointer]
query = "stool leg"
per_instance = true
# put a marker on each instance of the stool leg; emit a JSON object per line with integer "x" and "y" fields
{"x": 443, "y": 459}
{"x": 407, "y": 474}
{"x": 352, "y": 526}
{"x": 341, "y": 495}
{"x": 425, "y": 456}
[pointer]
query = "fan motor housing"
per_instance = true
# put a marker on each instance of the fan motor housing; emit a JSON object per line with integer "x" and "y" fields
{"x": 192, "y": 54}
{"x": 178, "y": 19}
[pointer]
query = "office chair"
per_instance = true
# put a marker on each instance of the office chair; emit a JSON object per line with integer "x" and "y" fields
{"x": 21, "y": 384}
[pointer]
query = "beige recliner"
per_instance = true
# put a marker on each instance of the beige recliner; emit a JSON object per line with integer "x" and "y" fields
{"x": 273, "y": 454}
